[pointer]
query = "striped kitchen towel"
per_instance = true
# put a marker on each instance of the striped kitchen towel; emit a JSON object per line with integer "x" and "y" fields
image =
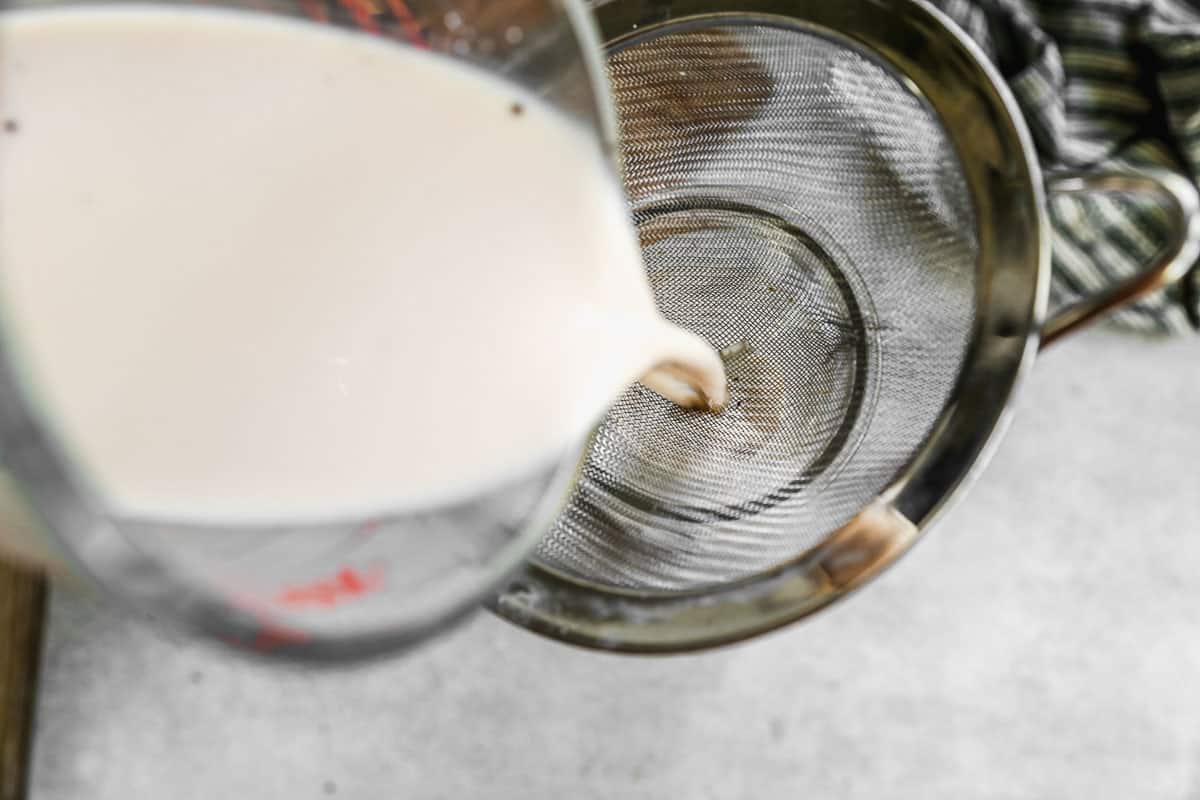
{"x": 1103, "y": 84}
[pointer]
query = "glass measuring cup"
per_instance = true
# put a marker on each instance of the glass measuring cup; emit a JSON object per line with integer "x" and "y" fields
{"x": 351, "y": 586}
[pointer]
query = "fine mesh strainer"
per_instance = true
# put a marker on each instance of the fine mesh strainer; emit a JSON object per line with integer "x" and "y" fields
{"x": 842, "y": 197}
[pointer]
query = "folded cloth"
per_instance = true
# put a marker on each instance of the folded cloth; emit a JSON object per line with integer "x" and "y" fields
{"x": 1103, "y": 84}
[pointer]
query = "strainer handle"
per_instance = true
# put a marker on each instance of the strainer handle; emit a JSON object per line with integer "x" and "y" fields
{"x": 1169, "y": 264}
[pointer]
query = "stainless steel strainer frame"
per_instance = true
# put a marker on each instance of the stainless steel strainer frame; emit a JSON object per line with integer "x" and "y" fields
{"x": 946, "y": 69}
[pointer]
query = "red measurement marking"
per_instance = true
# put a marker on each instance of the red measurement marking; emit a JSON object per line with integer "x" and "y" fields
{"x": 360, "y": 10}
{"x": 412, "y": 28}
{"x": 315, "y": 9}
{"x": 345, "y": 585}
{"x": 270, "y": 635}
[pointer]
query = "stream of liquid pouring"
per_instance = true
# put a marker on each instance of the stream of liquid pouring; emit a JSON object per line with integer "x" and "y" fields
{"x": 254, "y": 269}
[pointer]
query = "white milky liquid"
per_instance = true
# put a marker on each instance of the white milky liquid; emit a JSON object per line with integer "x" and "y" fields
{"x": 256, "y": 269}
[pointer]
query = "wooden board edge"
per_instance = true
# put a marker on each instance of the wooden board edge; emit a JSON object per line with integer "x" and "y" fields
{"x": 22, "y": 606}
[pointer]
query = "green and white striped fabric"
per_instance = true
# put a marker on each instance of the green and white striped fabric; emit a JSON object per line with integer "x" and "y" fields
{"x": 1103, "y": 84}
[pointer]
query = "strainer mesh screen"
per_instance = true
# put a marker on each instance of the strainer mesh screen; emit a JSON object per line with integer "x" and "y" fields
{"x": 804, "y": 211}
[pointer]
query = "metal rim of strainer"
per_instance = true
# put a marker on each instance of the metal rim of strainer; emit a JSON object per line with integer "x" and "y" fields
{"x": 944, "y": 69}
{"x": 941, "y": 66}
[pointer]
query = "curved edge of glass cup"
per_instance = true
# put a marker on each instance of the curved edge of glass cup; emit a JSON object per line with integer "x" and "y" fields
{"x": 81, "y": 537}
{"x": 948, "y": 71}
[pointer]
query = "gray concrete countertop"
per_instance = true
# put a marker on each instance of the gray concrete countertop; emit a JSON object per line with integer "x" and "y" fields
{"x": 1042, "y": 642}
